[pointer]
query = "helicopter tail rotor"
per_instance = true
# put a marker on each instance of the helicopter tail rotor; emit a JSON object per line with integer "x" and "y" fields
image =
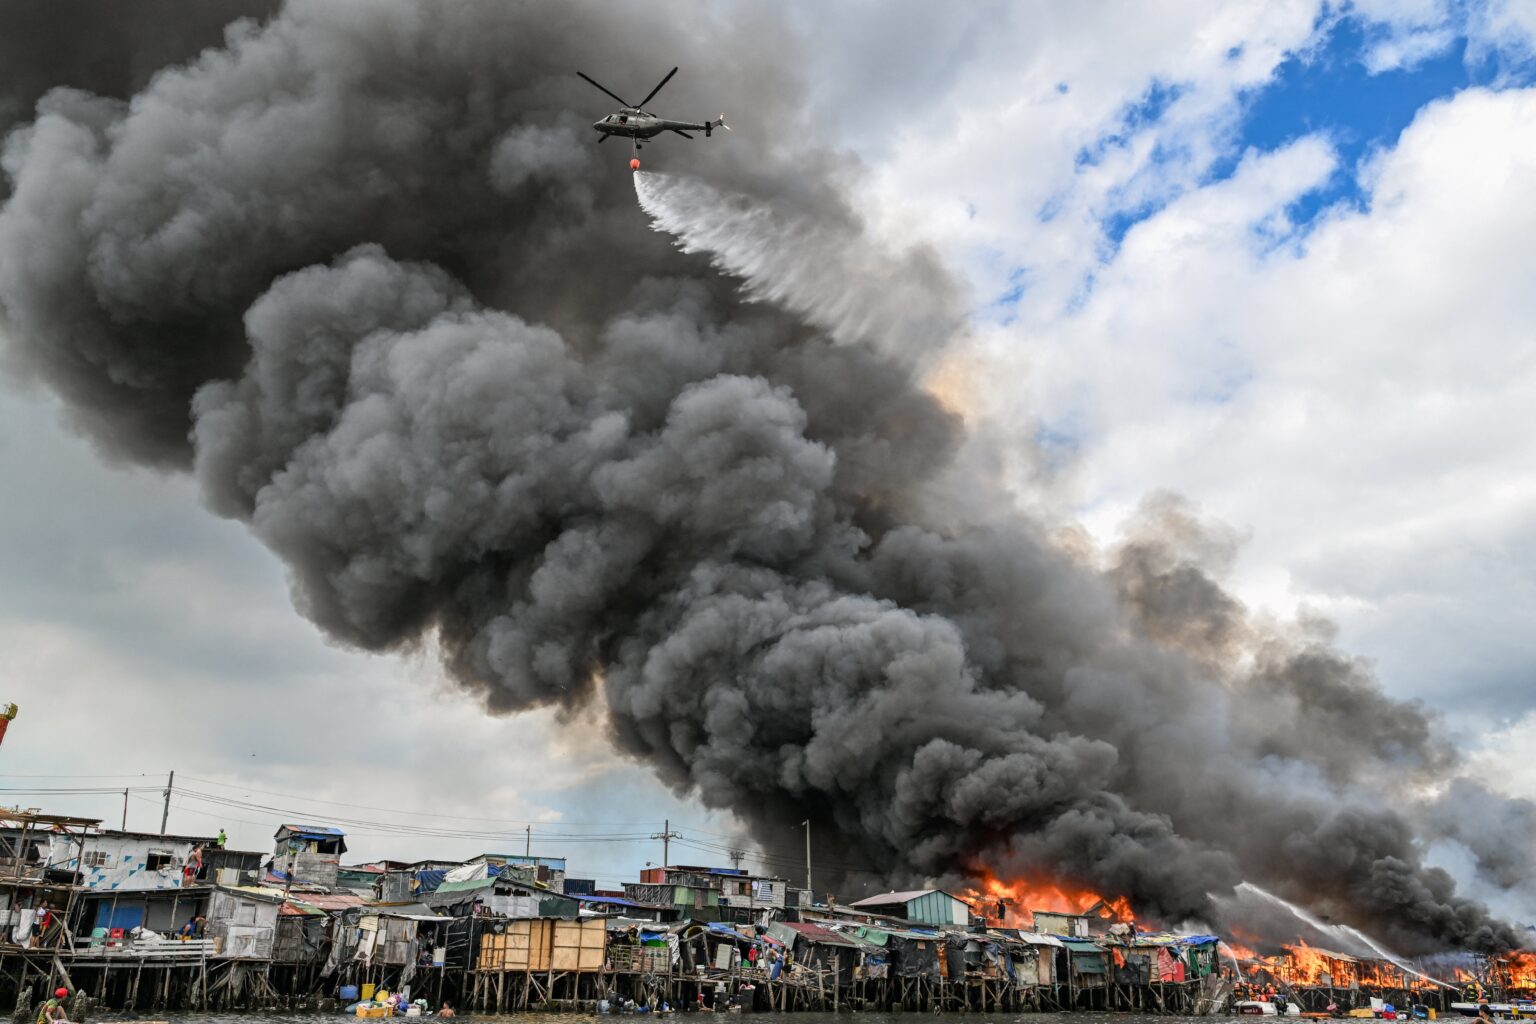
{"x": 710, "y": 126}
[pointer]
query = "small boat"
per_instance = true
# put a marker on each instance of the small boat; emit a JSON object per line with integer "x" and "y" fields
{"x": 375, "y": 1010}
{"x": 1257, "y": 1008}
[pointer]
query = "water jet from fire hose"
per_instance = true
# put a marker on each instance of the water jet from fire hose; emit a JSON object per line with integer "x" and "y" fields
{"x": 1343, "y": 932}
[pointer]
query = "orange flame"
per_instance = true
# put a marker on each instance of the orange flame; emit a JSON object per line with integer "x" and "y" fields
{"x": 1238, "y": 950}
{"x": 1519, "y": 970}
{"x": 1303, "y": 965}
{"x": 1012, "y": 904}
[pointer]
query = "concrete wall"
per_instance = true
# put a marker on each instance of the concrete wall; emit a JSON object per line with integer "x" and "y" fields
{"x": 132, "y": 863}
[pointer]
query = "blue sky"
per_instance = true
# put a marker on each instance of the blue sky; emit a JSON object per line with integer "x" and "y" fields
{"x": 1328, "y": 87}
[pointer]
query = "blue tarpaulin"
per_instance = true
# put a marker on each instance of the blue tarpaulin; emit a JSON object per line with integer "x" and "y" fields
{"x": 610, "y": 901}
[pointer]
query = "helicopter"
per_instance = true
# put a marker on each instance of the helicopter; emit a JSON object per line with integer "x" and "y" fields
{"x": 635, "y": 123}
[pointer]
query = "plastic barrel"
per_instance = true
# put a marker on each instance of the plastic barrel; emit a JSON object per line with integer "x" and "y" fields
{"x": 348, "y": 993}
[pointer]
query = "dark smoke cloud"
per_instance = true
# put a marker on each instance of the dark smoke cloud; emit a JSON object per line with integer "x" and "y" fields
{"x": 365, "y": 274}
{"x": 1499, "y": 833}
{"x": 105, "y": 47}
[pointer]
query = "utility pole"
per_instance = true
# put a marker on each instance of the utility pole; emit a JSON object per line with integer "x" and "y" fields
{"x": 165, "y": 815}
{"x": 125, "y": 810}
{"x": 807, "y": 824}
{"x": 527, "y": 840}
{"x": 666, "y": 835}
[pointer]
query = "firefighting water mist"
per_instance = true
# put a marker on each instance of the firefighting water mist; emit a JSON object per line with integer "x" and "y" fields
{"x": 361, "y": 270}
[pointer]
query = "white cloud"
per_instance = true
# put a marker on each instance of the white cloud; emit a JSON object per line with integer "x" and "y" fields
{"x": 989, "y": 109}
{"x": 1357, "y": 397}
{"x": 1404, "y": 33}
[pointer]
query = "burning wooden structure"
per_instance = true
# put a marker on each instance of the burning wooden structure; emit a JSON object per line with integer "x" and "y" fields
{"x": 93, "y": 910}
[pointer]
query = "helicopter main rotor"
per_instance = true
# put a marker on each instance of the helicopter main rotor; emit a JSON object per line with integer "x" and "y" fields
{"x": 622, "y": 101}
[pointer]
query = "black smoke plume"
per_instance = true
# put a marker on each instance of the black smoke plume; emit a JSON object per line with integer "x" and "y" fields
{"x": 362, "y": 271}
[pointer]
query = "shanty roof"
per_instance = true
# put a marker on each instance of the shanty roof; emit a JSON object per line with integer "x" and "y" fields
{"x": 1041, "y": 939}
{"x": 410, "y": 912}
{"x": 328, "y": 900}
{"x": 260, "y": 892}
{"x": 816, "y": 933}
{"x": 1329, "y": 954}
{"x": 527, "y": 860}
{"x": 1082, "y": 946}
{"x": 871, "y": 936}
{"x": 491, "y": 881}
{"x": 113, "y": 833}
{"x": 885, "y": 899}
{"x": 468, "y": 885}
{"x": 292, "y": 909}
{"x": 1171, "y": 939}
{"x": 311, "y": 831}
{"x": 617, "y": 901}
{"x": 19, "y": 819}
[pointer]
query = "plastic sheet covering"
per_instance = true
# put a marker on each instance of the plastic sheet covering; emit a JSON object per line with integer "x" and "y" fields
{"x": 467, "y": 872}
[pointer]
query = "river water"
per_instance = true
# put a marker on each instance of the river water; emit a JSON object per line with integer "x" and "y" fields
{"x": 870, "y": 1017}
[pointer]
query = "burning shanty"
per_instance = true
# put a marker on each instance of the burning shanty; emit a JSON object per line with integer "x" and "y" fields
{"x": 141, "y": 921}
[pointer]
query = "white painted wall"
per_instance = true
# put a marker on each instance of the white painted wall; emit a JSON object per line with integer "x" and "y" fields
{"x": 123, "y": 863}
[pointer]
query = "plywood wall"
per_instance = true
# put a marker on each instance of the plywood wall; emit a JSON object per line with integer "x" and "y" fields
{"x": 545, "y": 945}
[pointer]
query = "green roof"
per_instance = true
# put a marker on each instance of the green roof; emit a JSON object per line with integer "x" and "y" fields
{"x": 467, "y": 885}
{"x": 1082, "y": 945}
{"x": 873, "y": 936}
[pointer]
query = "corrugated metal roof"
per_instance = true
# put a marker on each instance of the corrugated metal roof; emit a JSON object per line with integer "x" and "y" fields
{"x": 291, "y": 909}
{"x": 816, "y": 933}
{"x": 887, "y": 898}
{"x": 1041, "y": 939}
{"x": 317, "y": 830}
{"x": 617, "y": 901}
{"x": 1082, "y": 946}
{"x": 409, "y": 911}
{"x": 329, "y": 900}
{"x": 254, "y": 890}
{"x": 114, "y": 833}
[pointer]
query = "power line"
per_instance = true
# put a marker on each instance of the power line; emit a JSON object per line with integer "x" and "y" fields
{"x": 370, "y": 826}
{"x": 402, "y": 828}
{"x": 779, "y": 860}
{"x": 135, "y": 775}
{"x": 318, "y": 800}
{"x": 396, "y": 810}
{"x": 74, "y": 790}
